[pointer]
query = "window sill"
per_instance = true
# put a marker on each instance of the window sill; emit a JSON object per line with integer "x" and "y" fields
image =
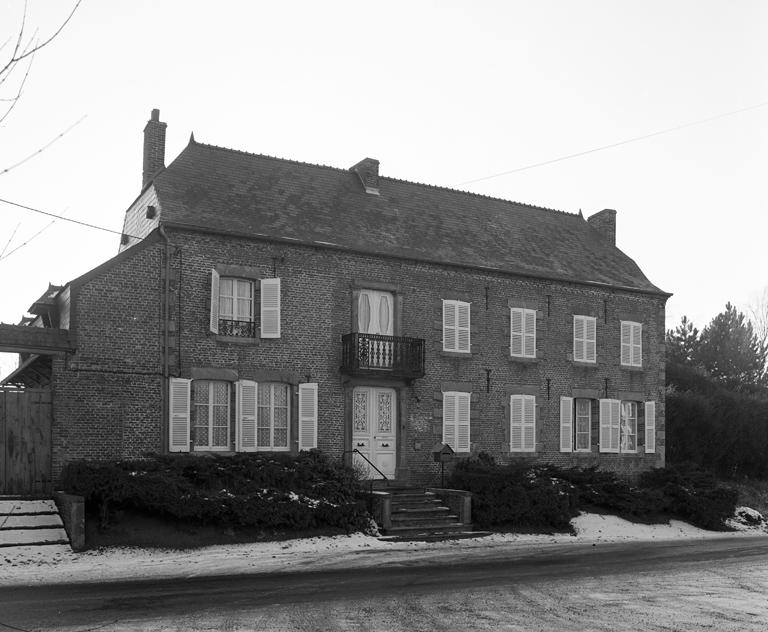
{"x": 523, "y": 359}
{"x": 629, "y": 367}
{"x": 236, "y": 340}
{"x": 456, "y": 354}
{"x": 584, "y": 365}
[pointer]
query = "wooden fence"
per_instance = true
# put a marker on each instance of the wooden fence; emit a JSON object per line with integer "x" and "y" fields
{"x": 25, "y": 441}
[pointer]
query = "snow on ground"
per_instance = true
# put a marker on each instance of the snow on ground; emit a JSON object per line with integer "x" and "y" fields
{"x": 54, "y": 564}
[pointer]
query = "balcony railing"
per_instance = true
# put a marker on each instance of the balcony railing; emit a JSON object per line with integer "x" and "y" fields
{"x": 366, "y": 354}
{"x": 238, "y": 328}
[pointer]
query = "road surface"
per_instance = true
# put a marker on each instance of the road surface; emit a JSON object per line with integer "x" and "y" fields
{"x": 719, "y": 584}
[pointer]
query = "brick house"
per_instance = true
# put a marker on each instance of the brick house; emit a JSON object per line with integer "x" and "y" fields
{"x": 261, "y": 304}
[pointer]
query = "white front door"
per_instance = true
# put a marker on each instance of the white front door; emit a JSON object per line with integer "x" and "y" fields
{"x": 374, "y": 316}
{"x": 374, "y": 429}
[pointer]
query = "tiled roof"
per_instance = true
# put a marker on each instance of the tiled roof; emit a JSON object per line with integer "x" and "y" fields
{"x": 232, "y": 191}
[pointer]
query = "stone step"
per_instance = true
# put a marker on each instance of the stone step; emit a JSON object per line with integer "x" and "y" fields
{"x": 418, "y": 512}
{"x": 30, "y": 523}
{"x": 427, "y": 529}
{"x": 435, "y": 537}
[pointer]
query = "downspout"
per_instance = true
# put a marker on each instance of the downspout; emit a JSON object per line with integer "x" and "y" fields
{"x": 164, "y": 321}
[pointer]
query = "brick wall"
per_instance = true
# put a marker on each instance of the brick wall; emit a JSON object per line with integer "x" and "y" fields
{"x": 123, "y": 333}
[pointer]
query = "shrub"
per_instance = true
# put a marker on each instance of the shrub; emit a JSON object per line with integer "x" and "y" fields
{"x": 269, "y": 492}
{"x": 544, "y": 496}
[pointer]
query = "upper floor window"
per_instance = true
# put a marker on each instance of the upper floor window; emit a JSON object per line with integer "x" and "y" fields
{"x": 631, "y": 343}
{"x": 456, "y": 326}
{"x": 522, "y": 328}
{"x": 240, "y": 307}
{"x": 584, "y": 336}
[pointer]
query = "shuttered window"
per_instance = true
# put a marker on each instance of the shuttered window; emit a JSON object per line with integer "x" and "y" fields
{"x": 650, "y": 427}
{"x": 456, "y": 326}
{"x": 234, "y": 311}
{"x": 584, "y": 336}
{"x": 210, "y": 415}
{"x": 247, "y": 393}
{"x": 178, "y": 422}
{"x": 566, "y": 424}
{"x": 631, "y": 343}
{"x": 270, "y": 308}
{"x": 522, "y": 423}
{"x": 609, "y": 425}
{"x": 628, "y": 426}
{"x": 522, "y": 326}
{"x": 583, "y": 424}
{"x": 307, "y": 416}
{"x": 273, "y": 415}
{"x": 456, "y": 420}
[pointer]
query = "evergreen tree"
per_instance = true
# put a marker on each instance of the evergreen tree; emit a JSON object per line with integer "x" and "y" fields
{"x": 731, "y": 352}
{"x": 683, "y": 342}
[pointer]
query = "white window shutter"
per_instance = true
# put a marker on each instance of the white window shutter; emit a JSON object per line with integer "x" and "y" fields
{"x": 529, "y": 423}
{"x": 566, "y": 424}
{"x": 530, "y": 333}
{"x": 579, "y": 335}
{"x": 270, "y": 308}
{"x": 637, "y": 344}
{"x": 247, "y": 396}
{"x": 516, "y": 344}
{"x": 626, "y": 343}
{"x": 650, "y": 427}
{"x": 516, "y": 423}
{"x": 307, "y": 416}
{"x": 449, "y": 326}
{"x": 214, "y": 325}
{"x": 462, "y": 422}
{"x": 591, "y": 336}
{"x": 609, "y": 425}
{"x": 450, "y": 417}
{"x": 178, "y": 414}
{"x": 462, "y": 327}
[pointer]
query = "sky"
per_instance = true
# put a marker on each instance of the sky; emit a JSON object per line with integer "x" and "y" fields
{"x": 445, "y": 93}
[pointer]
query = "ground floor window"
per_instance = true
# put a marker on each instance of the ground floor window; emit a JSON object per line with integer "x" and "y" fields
{"x": 273, "y": 416}
{"x": 629, "y": 426}
{"x": 583, "y": 425}
{"x": 210, "y": 415}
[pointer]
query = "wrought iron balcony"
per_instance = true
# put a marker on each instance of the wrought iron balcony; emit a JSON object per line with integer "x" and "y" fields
{"x": 238, "y": 328}
{"x": 370, "y": 354}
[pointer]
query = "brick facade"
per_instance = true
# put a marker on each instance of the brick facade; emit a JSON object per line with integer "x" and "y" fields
{"x": 108, "y": 395}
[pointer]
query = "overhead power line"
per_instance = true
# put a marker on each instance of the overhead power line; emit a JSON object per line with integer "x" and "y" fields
{"x": 612, "y": 145}
{"x": 66, "y": 219}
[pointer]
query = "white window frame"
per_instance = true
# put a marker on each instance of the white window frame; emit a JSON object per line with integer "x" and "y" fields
{"x": 268, "y": 321}
{"x": 265, "y": 417}
{"x": 522, "y": 339}
{"x": 456, "y": 335}
{"x": 585, "y": 346}
{"x": 631, "y": 343}
{"x": 239, "y": 311}
{"x": 456, "y": 420}
{"x": 576, "y": 418}
{"x": 210, "y": 407}
{"x": 629, "y": 423}
{"x": 522, "y": 417}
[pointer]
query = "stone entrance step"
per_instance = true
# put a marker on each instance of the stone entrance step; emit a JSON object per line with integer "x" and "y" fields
{"x": 27, "y": 522}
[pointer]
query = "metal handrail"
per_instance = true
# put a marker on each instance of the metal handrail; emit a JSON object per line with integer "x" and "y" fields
{"x": 384, "y": 476}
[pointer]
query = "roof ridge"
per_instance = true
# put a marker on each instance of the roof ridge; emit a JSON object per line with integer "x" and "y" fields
{"x": 390, "y": 178}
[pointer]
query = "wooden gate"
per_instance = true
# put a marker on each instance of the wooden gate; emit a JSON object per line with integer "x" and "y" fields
{"x": 25, "y": 441}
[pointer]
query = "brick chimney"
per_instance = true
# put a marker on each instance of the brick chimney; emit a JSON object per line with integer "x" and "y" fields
{"x": 368, "y": 171}
{"x": 604, "y": 223}
{"x": 154, "y": 147}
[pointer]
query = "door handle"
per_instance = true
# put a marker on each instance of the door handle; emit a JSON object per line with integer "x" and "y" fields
{"x": 384, "y": 445}
{"x": 360, "y": 445}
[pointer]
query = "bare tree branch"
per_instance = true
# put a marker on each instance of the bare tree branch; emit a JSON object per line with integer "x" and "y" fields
{"x": 44, "y": 147}
{"x": 17, "y": 57}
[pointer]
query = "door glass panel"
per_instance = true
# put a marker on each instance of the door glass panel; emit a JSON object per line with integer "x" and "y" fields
{"x": 364, "y": 313}
{"x": 384, "y": 315}
{"x": 385, "y": 411}
{"x": 360, "y": 411}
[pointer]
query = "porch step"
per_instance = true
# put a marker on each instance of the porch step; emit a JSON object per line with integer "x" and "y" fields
{"x": 26, "y": 522}
{"x": 417, "y": 514}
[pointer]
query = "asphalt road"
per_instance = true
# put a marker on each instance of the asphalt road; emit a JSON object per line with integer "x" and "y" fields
{"x": 374, "y": 597}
